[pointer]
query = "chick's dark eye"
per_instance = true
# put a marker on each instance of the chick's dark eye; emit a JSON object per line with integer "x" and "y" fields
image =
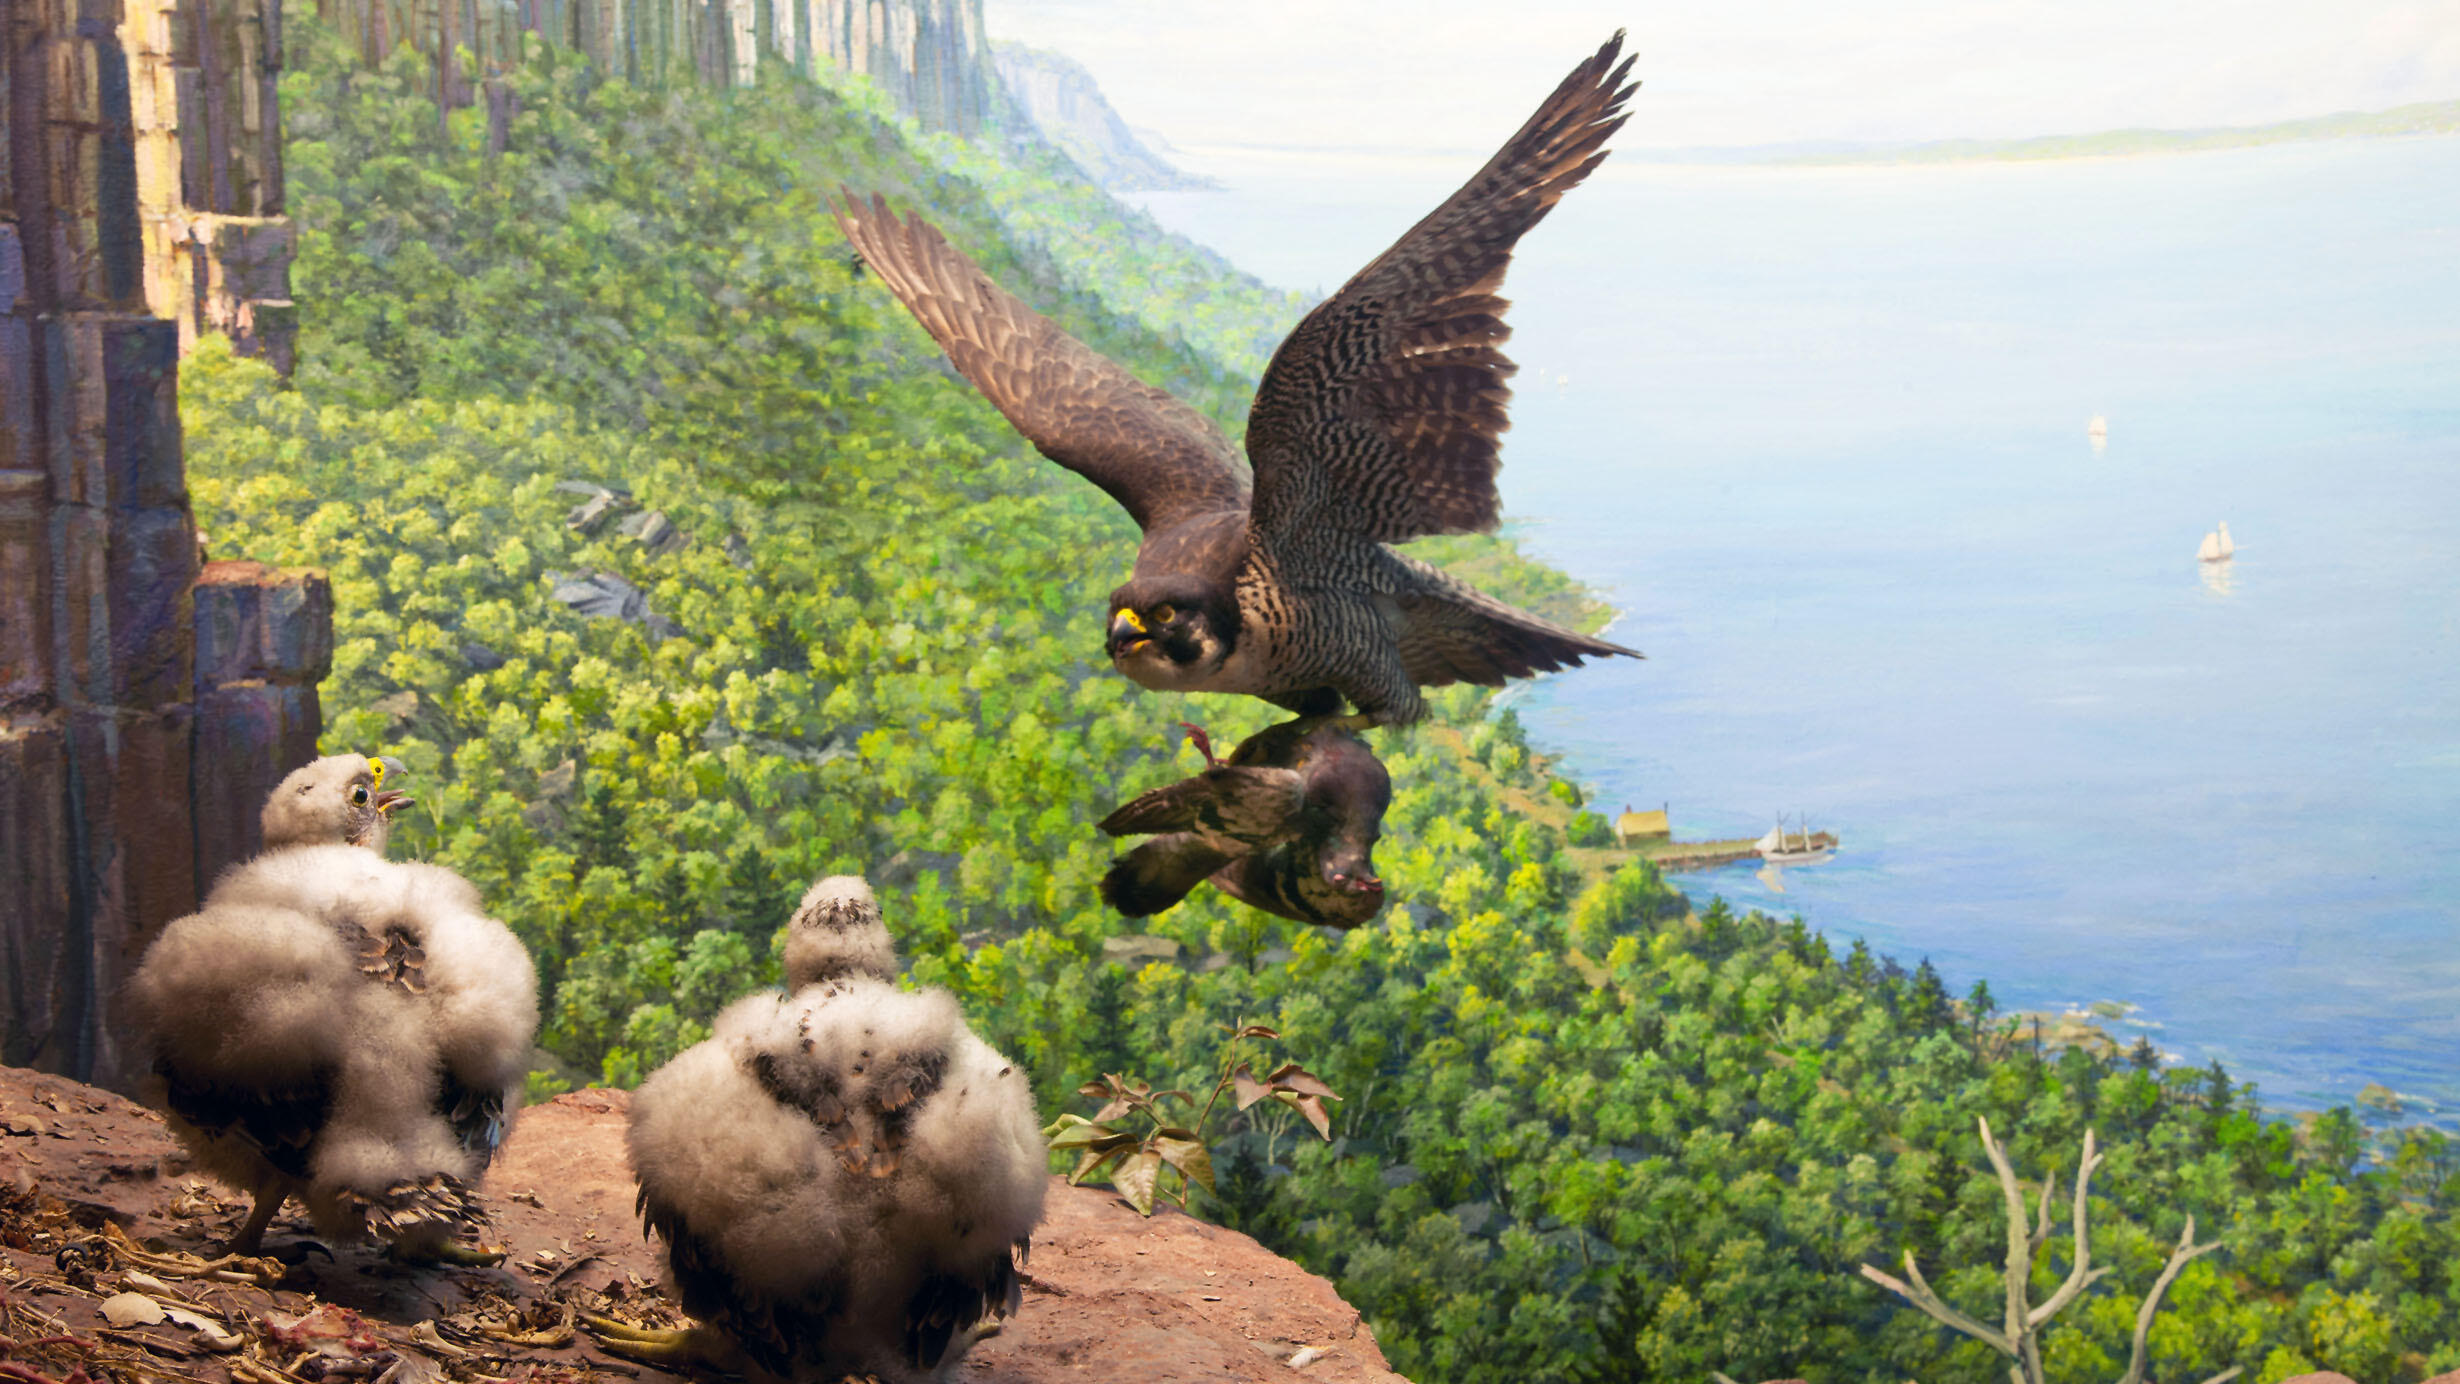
{"x": 358, "y": 796}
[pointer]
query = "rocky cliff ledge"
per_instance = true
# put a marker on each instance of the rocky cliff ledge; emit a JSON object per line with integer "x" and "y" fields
{"x": 1063, "y": 103}
{"x": 1111, "y": 1295}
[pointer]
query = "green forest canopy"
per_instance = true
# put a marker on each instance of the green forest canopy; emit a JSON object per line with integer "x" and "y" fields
{"x": 1588, "y": 1134}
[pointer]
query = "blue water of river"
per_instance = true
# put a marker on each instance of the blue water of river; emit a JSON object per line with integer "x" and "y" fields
{"x": 1821, "y": 435}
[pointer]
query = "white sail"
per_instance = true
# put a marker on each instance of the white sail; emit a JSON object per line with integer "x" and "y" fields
{"x": 2099, "y": 427}
{"x": 2210, "y": 549}
{"x": 1773, "y": 841}
{"x": 2222, "y": 534}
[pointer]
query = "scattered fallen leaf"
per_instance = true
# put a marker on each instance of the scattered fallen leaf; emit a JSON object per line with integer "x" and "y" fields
{"x": 131, "y": 1309}
{"x": 143, "y": 1282}
{"x": 208, "y": 1331}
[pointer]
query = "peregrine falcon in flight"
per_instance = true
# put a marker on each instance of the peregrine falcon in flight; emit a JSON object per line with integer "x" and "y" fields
{"x": 1376, "y": 422}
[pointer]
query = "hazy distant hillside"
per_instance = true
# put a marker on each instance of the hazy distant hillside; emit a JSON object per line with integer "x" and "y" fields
{"x": 2425, "y": 117}
{"x": 1062, "y": 101}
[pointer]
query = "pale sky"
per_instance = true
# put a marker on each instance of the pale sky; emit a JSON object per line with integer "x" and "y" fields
{"x": 1459, "y": 74}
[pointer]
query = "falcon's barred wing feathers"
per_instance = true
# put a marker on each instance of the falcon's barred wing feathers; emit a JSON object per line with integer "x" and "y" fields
{"x": 1380, "y": 414}
{"x": 1452, "y": 632}
{"x": 1161, "y": 460}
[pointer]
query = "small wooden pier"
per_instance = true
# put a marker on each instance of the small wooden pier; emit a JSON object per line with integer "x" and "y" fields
{"x": 1708, "y": 855}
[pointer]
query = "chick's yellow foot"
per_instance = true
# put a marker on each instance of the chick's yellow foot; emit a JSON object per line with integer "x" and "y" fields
{"x": 448, "y": 1254}
{"x": 685, "y": 1345}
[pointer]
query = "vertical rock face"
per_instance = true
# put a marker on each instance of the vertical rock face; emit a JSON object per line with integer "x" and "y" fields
{"x": 208, "y": 159}
{"x": 930, "y": 56}
{"x": 99, "y": 676}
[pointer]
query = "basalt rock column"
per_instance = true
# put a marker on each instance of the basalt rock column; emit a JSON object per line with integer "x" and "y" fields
{"x": 98, "y": 560}
{"x": 202, "y": 77}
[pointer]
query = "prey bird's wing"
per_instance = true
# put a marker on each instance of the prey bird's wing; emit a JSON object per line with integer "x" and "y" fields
{"x": 1380, "y": 414}
{"x": 1161, "y": 460}
{"x": 1449, "y": 631}
{"x": 1236, "y": 802}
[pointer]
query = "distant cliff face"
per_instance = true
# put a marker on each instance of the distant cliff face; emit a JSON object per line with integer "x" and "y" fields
{"x": 930, "y": 56}
{"x": 1061, "y": 100}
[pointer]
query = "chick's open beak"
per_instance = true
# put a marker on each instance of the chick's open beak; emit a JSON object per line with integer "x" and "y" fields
{"x": 1127, "y": 630}
{"x": 387, "y": 767}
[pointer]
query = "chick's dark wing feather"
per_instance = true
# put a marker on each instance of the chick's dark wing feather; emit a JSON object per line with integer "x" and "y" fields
{"x": 280, "y": 1124}
{"x": 1381, "y": 413}
{"x": 1161, "y": 460}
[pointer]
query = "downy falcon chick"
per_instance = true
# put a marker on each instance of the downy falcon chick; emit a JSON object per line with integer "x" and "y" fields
{"x": 1376, "y": 422}
{"x": 844, "y": 1175}
{"x": 1288, "y": 823}
{"x": 338, "y": 1027}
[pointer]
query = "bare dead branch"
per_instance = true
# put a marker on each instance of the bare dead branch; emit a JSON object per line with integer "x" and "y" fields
{"x": 2020, "y": 1340}
{"x": 2183, "y": 1254}
{"x": 2081, "y": 1274}
{"x": 1919, "y": 1293}
{"x": 2019, "y": 1244}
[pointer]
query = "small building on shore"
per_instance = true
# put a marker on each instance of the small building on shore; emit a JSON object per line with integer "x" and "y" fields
{"x": 1639, "y": 828}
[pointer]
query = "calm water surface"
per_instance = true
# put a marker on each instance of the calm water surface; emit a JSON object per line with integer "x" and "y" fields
{"x": 1820, "y": 434}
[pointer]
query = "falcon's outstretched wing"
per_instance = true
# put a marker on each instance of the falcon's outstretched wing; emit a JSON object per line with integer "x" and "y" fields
{"x": 1160, "y": 459}
{"x": 1379, "y": 416}
{"x": 1452, "y": 632}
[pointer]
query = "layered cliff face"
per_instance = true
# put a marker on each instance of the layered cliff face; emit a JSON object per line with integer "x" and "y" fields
{"x": 148, "y": 701}
{"x": 1062, "y": 101}
{"x": 929, "y": 56}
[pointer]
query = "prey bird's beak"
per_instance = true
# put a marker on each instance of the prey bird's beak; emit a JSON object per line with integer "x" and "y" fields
{"x": 1127, "y": 630}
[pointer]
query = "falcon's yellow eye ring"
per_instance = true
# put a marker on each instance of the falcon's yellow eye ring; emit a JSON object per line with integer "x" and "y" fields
{"x": 1164, "y": 614}
{"x": 358, "y": 796}
{"x": 375, "y": 766}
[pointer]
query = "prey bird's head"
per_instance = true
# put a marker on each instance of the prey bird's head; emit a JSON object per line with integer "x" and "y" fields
{"x": 340, "y": 800}
{"x": 1352, "y": 789}
{"x": 1171, "y": 630}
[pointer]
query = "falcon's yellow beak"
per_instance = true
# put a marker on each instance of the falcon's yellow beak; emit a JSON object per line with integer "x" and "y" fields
{"x": 1127, "y": 630}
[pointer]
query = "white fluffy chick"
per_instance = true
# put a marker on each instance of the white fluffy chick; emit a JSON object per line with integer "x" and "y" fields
{"x": 341, "y": 1028}
{"x": 845, "y": 1176}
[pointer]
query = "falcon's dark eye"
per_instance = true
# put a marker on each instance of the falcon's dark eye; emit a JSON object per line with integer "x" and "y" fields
{"x": 1164, "y": 614}
{"x": 358, "y": 796}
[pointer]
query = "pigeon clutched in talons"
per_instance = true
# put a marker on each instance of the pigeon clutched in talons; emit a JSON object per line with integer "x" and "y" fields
{"x": 339, "y": 1027}
{"x": 1287, "y": 823}
{"x": 844, "y": 1176}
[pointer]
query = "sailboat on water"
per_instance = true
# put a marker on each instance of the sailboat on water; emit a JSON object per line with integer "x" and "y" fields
{"x": 1780, "y": 847}
{"x": 2216, "y": 546}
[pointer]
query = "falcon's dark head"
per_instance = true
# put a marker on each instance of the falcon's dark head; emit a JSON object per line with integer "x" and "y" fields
{"x": 1171, "y": 630}
{"x": 340, "y": 800}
